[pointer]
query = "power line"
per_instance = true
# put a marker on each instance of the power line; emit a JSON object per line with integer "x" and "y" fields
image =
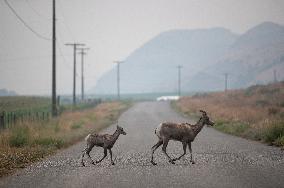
{"x": 36, "y": 12}
{"x": 64, "y": 18}
{"x": 25, "y": 24}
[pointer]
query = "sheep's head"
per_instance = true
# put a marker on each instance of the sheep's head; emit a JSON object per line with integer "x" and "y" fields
{"x": 206, "y": 119}
{"x": 120, "y": 129}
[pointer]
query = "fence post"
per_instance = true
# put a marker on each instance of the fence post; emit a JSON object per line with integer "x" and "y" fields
{"x": 2, "y": 120}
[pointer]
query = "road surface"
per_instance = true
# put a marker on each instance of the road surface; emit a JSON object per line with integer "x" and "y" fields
{"x": 221, "y": 160}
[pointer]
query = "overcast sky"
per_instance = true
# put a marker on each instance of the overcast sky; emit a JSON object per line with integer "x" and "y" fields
{"x": 111, "y": 28}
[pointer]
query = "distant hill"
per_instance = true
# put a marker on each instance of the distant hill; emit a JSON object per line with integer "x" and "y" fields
{"x": 5, "y": 92}
{"x": 251, "y": 60}
{"x": 206, "y": 55}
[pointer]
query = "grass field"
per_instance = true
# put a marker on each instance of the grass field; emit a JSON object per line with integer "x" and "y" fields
{"x": 30, "y": 141}
{"x": 23, "y": 103}
{"x": 256, "y": 112}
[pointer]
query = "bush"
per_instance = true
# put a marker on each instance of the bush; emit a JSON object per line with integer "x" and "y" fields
{"x": 274, "y": 133}
{"x": 50, "y": 142}
{"x": 19, "y": 137}
{"x": 234, "y": 128}
{"x": 279, "y": 141}
{"x": 76, "y": 126}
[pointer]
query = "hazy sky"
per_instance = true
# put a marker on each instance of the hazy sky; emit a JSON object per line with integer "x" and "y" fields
{"x": 111, "y": 28}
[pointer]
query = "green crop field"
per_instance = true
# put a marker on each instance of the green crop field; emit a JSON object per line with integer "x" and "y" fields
{"x": 23, "y": 103}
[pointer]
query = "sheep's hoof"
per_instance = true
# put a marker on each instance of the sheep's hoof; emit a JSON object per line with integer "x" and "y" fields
{"x": 192, "y": 162}
{"x": 172, "y": 161}
{"x": 82, "y": 164}
{"x": 112, "y": 163}
{"x": 93, "y": 163}
{"x": 175, "y": 159}
{"x": 153, "y": 163}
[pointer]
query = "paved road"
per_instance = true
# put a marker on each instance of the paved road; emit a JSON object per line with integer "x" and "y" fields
{"x": 221, "y": 160}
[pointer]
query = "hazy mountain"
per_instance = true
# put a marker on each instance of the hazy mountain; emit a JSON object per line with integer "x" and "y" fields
{"x": 252, "y": 59}
{"x": 152, "y": 67}
{"x": 5, "y": 92}
{"x": 206, "y": 55}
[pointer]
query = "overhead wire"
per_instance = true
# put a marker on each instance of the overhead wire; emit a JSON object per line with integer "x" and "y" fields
{"x": 36, "y": 12}
{"x": 64, "y": 18}
{"x": 25, "y": 23}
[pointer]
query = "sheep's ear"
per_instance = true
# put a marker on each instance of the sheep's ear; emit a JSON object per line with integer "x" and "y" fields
{"x": 203, "y": 112}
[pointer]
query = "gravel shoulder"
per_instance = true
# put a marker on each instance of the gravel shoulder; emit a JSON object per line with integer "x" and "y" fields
{"x": 221, "y": 160}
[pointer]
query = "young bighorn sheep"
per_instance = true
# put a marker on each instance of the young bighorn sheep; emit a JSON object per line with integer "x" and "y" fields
{"x": 183, "y": 132}
{"x": 105, "y": 141}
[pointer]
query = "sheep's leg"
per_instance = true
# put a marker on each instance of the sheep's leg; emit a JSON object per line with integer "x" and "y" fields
{"x": 82, "y": 157}
{"x": 184, "y": 144}
{"x": 105, "y": 154}
{"x": 156, "y": 146}
{"x": 88, "y": 150}
{"x": 190, "y": 150}
{"x": 165, "y": 144}
{"x": 110, "y": 152}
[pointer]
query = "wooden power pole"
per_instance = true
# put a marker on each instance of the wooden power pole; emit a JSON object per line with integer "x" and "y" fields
{"x": 53, "y": 97}
{"x": 179, "y": 80}
{"x": 74, "y": 69}
{"x": 226, "y": 82}
{"x": 83, "y": 53}
{"x": 118, "y": 78}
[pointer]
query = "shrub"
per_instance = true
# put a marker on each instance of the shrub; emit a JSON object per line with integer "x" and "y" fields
{"x": 234, "y": 128}
{"x": 50, "y": 142}
{"x": 279, "y": 141}
{"x": 19, "y": 137}
{"x": 273, "y": 111}
{"x": 76, "y": 126}
{"x": 274, "y": 132}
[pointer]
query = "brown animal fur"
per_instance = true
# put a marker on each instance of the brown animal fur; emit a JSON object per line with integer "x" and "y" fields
{"x": 183, "y": 132}
{"x": 105, "y": 141}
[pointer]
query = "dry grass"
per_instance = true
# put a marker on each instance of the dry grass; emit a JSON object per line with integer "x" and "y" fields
{"x": 30, "y": 141}
{"x": 252, "y": 113}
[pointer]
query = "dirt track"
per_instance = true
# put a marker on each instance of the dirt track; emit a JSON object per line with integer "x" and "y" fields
{"x": 221, "y": 160}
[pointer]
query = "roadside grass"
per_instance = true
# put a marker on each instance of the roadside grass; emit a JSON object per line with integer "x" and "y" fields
{"x": 255, "y": 113}
{"x": 28, "y": 141}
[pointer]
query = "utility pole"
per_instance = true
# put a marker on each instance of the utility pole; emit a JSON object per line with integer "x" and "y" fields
{"x": 82, "y": 52}
{"x": 74, "y": 72}
{"x": 275, "y": 76}
{"x": 118, "y": 78}
{"x": 53, "y": 97}
{"x": 226, "y": 82}
{"x": 179, "y": 80}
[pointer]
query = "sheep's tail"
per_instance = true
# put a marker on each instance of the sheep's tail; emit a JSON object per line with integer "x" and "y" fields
{"x": 87, "y": 137}
{"x": 158, "y": 129}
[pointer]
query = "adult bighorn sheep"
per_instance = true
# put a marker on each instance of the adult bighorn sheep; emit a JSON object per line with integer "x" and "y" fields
{"x": 183, "y": 132}
{"x": 105, "y": 141}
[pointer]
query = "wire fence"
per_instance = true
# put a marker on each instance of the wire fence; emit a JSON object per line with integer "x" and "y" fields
{"x": 11, "y": 118}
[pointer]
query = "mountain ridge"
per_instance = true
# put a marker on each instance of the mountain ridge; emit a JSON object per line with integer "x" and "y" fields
{"x": 206, "y": 55}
